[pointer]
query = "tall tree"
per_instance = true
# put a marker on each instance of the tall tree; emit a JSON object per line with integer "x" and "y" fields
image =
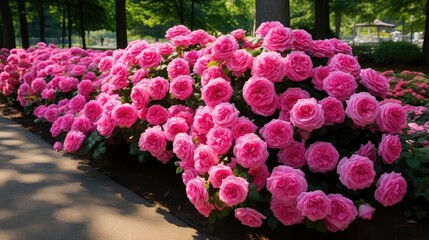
{"x": 82, "y": 23}
{"x": 8, "y": 32}
{"x": 23, "y": 24}
{"x": 273, "y": 10}
{"x": 321, "y": 19}
{"x": 41, "y": 21}
{"x": 121, "y": 24}
{"x": 426, "y": 36}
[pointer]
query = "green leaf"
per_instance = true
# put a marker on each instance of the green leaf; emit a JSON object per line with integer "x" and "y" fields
{"x": 212, "y": 64}
{"x": 273, "y": 223}
{"x": 320, "y": 226}
{"x": 413, "y": 163}
{"x": 309, "y": 224}
{"x": 253, "y": 187}
{"x": 179, "y": 170}
{"x": 212, "y": 217}
{"x": 254, "y": 196}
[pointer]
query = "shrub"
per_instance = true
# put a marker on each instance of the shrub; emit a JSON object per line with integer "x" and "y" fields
{"x": 363, "y": 52}
{"x": 393, "y": 53}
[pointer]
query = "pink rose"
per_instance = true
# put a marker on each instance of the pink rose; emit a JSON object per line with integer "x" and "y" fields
{"x": 243, "y": 126}
{"x": 182, "y": 87}
{"x": 339, "y": 85}
{"x": 139, "y": 75}
{"x": 366, "y": 211}
{"x": 286, "y": 183}
{"x": 377, "y": 84}
{"x": 51, "y": 114}
{"x": 55, "y": 129}
{"x": 306, "y": 114}
{"x": 158, "y": 88}
{"x": 278, "y": 39}
{"x": 322, "y": 157}
{"x": 184, "y": 147}
{"x": 250, "y": 151}
{"x": 314, "y": 205}
{"x": 319, "y": 75}
{"x": 217, "y": 91}
{"x": 67, "y": 122}
{"x": 156, "y": 115}
{"x": 174, "y": 126}
{"x": 368, "y": 150}
{"x": 302, "y": 40}
{"x": 343, "y": 212}
{"x": 224, "y": 47}
{"x": 204, "y": 158}
{"x": 85, "y": 87}
{"x": 238, "y": 34}
{"x": 233, "y": 190}
{"x": 39, "y": 111}
{"x": 198, "y": 37}
{"x": 391, "y": 188}
{"x": 58, "y": 146}
{"x": 277, "y": 133}
{"x": 260, "y": 175}
{"x": 82, "y": 124}
{"x": 340, "y": 46}
{"x": 269, "y": 65}
{"x": 265, "y": 27}
{"x": 217, "y": 173}
{"x": 293, "y": 155}
{"x": 258, "y": 91}
{"x": 139, "y": 96}
{"x": 105, "y": 126}
{"x": 298, "y": 66}
{"x": 196, "y": 191}
{"x": 239, "y": 62}
{"x": 392, "y": 118}
{"x": 189, "y": 174}
{"x": 153, "y": 140}
{"x": 219, "y": 139}
{"x": 175, "y": 31}
{"x": 149, "y": 58}
{"x": 211, "y": 73}
{"x": 73, "y": 141}
{"x": 165, "y": 49}
{"x": 291, "y": 96}
{"x": 67, "y": 84}
{"x": 178, "y": 66}
{"x": 125, "y": 115}
{"x": 92, "y": 110}
{"x": 268, "y": 109}
{"x": 77, "y": 103}
{"x": 202, "y": 64}
{"x": 249, "y": 217}
{"x": 345, "y": 63}
{"x": 286, "y": 212}
{"x": 356, "y": 172}
{"x": 322, "y": 49}
{"x": 333, "y": 110}
{"x": 362, "y": 108}
{"x": 390, "y": 148}
{"x": 38, "y": 84}
{"x": 203, "y": 120}
{"x": 225, "y": 114}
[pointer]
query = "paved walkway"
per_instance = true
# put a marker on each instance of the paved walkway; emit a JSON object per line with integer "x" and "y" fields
{"x": 48, "y": 195}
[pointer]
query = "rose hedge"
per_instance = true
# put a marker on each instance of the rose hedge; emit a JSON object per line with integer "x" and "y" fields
{"x": 276, "y": 127}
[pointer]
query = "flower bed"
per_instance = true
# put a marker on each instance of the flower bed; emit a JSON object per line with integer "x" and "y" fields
{"x": 256, "y": 127}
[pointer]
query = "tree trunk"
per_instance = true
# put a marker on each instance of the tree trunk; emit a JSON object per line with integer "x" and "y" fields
{"x": 121, "y": 24}
{"x": 426, "y": 37}
{"x": 192, "y": 14}
{"x": 63, "y": 32}
{"x": 41, "y": 21}
{"x": 82, "y": 24}
{"x": 8, "y": 32}
{"x": 321, "y": 21}
{"x": 69, "y": 23}
{"x": 23, "y": 23}
{"x": 338, "y": 24}
{"x": 272, "y": 10}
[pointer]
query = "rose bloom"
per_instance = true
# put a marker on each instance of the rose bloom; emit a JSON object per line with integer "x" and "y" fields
{"x": 105, "y": 126}
{"x": 156, "y": 115}
{"x": 38, "y": 84}
{"x": 390, "y": 148}
{"x": 391, "y": 188}
{"x": 249, "y": 217}
{"x": 219, "y": 139}
{"x": 189, "y": 174}
{"x": 153, "y": 140}
{"x": 77, "y": 103}
{"x": 277, "y": 133}
{"x": 198, "y": 37}
{"x": 319, "y": 75}
{"x": 225, "y": 114}
{"x": 224, "y": 47}
{"x": 286, "y": 183}
{"x": 250, "y": 151}
{"x": 58, "y": 146}
{"x": 377, "y": 84}
{"x": 204, "y": 158}
{"x": 333, "y": 110}
{"x": 174, "y": 126}
{"x": 260, "y": 175}
{"x": 139, "y": 96}
{"x": 92, "y": 110}
{"x": 55, "y": 129}
{"x": 356, "y": 172}
{"x": 340, "y": 46}
{"x": 67, "y": 84}
{"x": 239, "y": 62}
{"x": 85, "y": 87}
{"x": 269, "y": 65}
{"x": 322, "y": 49}
{"x": 217, "y": 91}
{"x": 293, "y": 155}
{"x": 343, "y": 212}
{"x": 149, "y": 58}
{"x": 366, "y": 211}
{"x": 67, "y": 122}
{"x": 139, "y": 75}
{"x": 175, "y": 31}
{"x": 211, "y": 73}
{"x": 267, "y": 110}
{"x": 243, "y": 126}
{"x": 362, "y": 108}
{"x": 125, "y": 115}
{"x": 178, "y": 66}
{"x": 158, "y": 88}
{"x": 322, "y": 157}
{"x": 289, "y": 97}
{"x": 392, "y": 118}
{"x": 298, "y": 66}
{"x": 83, "y": 124}
{"x": 196, "y": 191}
{"x": 181, "y": 41}
{"x": 339, "y": 85}
{"x": 306, "y": 114}
{"x": 217, "y": 173}
{"x": 368, "y": 150}
{"x": 233, "y": 190}
{"x": 302, "y": 40}
{"x": 265, "y": 27}
{"x": 51, "y": 114}
{"x": 286, "y": 212}
{"x": 203, "y": 120}
{"x": 278, "y": 39}
{"x": 258, "y": 91}
{"x": 202, "y": 64}
{"x": 345, "y": 63}
{"x": 182, "y": 87}
{"x": 314, "y": 205}
{"x": 73, "y": 141}
{"x": 184, "y": 147}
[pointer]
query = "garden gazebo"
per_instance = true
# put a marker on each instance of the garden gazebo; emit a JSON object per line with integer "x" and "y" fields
{"x": 377, "y": 24}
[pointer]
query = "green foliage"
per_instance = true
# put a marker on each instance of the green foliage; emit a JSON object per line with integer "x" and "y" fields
{"x": 363, "y": 52}
{"x": 393, "y": 53}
